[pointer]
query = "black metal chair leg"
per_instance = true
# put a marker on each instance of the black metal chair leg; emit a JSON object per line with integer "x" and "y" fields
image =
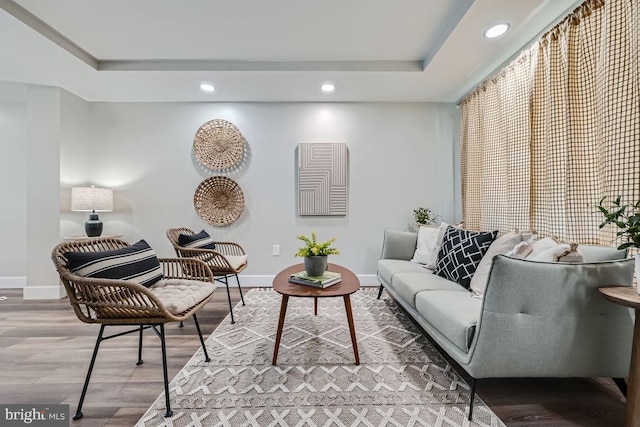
{"x": 226, "y": 282}
{"x": 471, "y": 397}
{"x": 181, "y": 325}
{"x": 169, "y": 412}
{"x": 140, "y": 361}
{"x": 622, "y": 385}
{"x": 380, "y": 291}
{"x": 204, "y": 347}
{"x": 239, "y": 288}
{"x": 78, "y": 413}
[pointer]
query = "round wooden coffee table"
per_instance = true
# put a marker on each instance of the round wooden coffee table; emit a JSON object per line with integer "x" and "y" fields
{"x": 349, "y": 284}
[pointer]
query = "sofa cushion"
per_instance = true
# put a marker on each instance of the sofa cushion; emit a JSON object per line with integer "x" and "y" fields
{"x": 399, "y": 244}
{"x": 407, "y": 285}
{"x": 602, "y": 253}
{"x": 454, "y": 314}
{"x": 461, "y": 253}
{"x": 387, "y": 268}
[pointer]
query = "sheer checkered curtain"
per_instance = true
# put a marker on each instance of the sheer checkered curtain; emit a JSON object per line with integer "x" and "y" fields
{"x": 581, "y": 119}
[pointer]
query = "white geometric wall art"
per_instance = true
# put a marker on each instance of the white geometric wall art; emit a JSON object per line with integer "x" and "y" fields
{"x": 322, "y": 178}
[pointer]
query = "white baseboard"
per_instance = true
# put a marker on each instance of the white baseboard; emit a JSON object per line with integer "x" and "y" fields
{"x": 13, "y": 282}
{"x": 44, "y": 292}
{"x": 266, "y": 280}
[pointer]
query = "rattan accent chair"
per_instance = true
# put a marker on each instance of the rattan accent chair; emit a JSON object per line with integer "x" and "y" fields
{"x": 110, "y": 302}
{"x": 218, "y": 259}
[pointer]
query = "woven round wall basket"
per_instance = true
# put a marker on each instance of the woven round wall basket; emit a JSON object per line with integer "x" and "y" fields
{"x": 219, "y": 144}
{"x": 219, "y": 200}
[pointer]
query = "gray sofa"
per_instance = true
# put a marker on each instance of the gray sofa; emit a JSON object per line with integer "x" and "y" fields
{"x": 536, "y": 319}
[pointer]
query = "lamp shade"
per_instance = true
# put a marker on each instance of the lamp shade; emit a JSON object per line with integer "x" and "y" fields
{"x": 85, "y": 199}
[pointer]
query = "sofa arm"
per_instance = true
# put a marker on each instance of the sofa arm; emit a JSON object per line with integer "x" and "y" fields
{"x": 399, "y": 245}
{"x": 549, "y": 320}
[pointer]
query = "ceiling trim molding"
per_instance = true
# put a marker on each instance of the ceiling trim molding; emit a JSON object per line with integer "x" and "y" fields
{"x": 32, "y": 21}
{"x": 510, "y": 59}
{"x": 448, "y": 25}
{"x": 214, "y": 65}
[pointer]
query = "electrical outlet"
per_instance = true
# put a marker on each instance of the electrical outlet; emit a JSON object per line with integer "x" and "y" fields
{"x": 276, "y": 250}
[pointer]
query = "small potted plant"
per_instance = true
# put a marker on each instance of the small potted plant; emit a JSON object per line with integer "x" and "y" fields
{"x": 424, "y": 216}
{"x": 315, "y": 254}
{"x": 626, "y": 217}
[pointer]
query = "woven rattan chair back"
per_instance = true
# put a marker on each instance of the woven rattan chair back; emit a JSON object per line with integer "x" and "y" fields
{"x": 173, "y": 234}
{"x": 216, "y": 259}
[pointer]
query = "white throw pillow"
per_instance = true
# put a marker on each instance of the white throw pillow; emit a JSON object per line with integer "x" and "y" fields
{"x": 542, "y": 245}
{"x": 563, "y": 252}
{"x": 501, "y": 245}
{"x": 434, "y": 255}
{"x": 427, "y": 241}
{"x": 523, "y": 249}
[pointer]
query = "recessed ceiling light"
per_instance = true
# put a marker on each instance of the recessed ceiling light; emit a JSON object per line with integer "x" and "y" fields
{"x": 207, "y": 87}
{"x": 328, "y": 87}
{"x": 496, "y": 30}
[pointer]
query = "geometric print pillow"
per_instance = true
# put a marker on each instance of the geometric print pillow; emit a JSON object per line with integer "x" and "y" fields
{"x": 200, "y": 240}
{"x": 461, "y": 253}
{"x": 137, "y": 262}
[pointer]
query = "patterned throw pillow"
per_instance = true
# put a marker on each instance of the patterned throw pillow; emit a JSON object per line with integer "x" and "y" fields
{"x": 200, "y": 240}
{"x": 461, "y": 253}
{"x": 137, "y": 262}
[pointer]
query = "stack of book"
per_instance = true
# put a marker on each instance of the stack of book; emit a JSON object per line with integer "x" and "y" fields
{"x": 327, "y": 279}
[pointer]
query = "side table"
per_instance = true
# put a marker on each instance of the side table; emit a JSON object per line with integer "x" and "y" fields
{"x": 348, "y": 285}
{"x": 83, "y": 237}
{"x": 628, "y": 297}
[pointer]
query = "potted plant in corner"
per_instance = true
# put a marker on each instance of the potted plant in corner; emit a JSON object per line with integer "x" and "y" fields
{"x": 315, "y": 254}
{"x": 627, "y": 218}
{"x": 424, "y": 216}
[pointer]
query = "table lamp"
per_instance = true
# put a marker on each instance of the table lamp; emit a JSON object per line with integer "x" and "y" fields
{"x": 92, "y": 199}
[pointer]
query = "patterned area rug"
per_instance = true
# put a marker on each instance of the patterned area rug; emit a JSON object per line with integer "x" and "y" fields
{"x": 402, "y": 379}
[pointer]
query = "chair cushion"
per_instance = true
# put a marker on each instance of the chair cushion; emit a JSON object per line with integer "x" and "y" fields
{"x": 236, "y": 261}
{"x": 201, "y": 240}
{"x": 454, "y": 314}
{"x": 137, "y": 262}
{"x": 178, "y": 295}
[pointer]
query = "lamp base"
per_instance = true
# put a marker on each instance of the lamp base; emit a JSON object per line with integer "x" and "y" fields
{"x": 93, "y": 227}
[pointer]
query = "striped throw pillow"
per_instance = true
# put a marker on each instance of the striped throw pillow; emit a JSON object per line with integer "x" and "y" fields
{"x": 200, "y": 240}
{"x": 137, "y": 262}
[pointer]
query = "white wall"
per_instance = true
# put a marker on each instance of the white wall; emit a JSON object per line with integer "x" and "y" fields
{"x": 75, "y": 159}
{"x": 401, "y": 157}
{"x": 13, "y": 184}
{"x": 44, "y": 110}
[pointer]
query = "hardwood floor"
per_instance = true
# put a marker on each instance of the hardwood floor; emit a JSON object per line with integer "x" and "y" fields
{"x": 45, "y": 352}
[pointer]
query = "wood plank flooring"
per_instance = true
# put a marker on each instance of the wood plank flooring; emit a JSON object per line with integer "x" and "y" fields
{"x": 45, "y": 352}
